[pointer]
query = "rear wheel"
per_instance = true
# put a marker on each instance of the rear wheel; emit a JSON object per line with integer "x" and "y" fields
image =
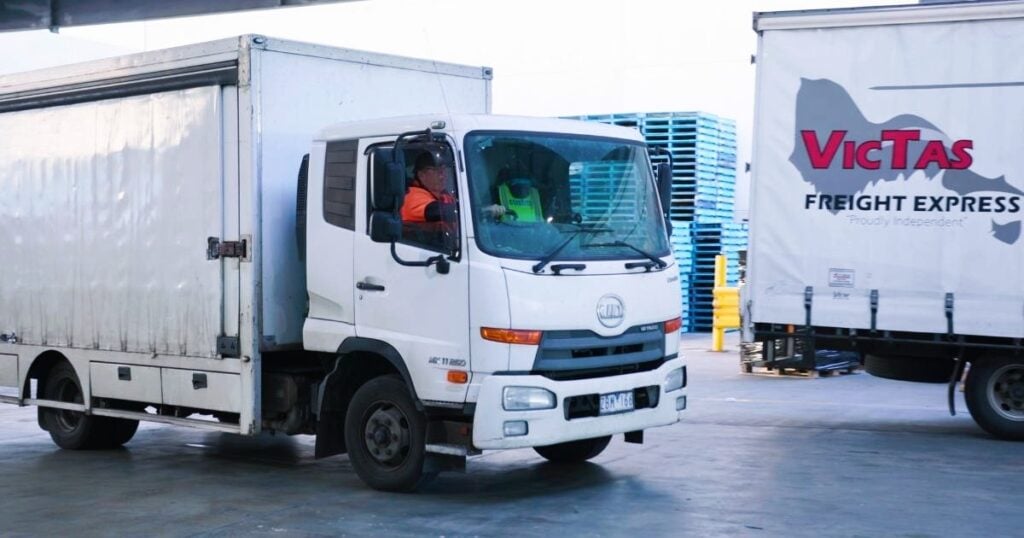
{"x": 74, "y": 430}
{"x": 385, "y": 435}
{"x": 995, "y": 397}
{"x": 574, "y": 451}
{"x": 118, "y": 431}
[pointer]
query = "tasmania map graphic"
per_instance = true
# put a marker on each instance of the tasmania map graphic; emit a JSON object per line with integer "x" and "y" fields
{"x": 840, "y": 153}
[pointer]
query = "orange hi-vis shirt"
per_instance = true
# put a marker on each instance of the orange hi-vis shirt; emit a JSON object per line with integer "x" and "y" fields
{"x": 417, "y": 205}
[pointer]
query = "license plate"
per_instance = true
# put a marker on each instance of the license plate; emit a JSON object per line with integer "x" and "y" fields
{"x": 616, "y": 402}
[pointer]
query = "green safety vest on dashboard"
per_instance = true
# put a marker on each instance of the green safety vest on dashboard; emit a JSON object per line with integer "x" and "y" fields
{"x": 527, "y": 209}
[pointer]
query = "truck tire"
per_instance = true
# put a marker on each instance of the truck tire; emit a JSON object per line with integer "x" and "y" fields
{"x": 115, "y": 431}
{"x": 71, "y": 430}
{"x": 994, "y": 391}
{"x": 907, "y": 368}
{"x": 574, "y": 451}
{"x": 385, "y": 435}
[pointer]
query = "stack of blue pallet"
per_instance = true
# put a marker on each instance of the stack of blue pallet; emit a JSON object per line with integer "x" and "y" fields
{"x": 703, "y": 148}
{"x": 710, "y": 239}
{"x": 682, "y": 247}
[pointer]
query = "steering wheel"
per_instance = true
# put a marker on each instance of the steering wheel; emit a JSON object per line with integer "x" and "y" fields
{"x": 509, "y": 213}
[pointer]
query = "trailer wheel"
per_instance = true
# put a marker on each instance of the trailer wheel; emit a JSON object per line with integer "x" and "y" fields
{"x": 72, "y": 430}
{"x": 574, "y": 451}
{"x": 385, "y": 435}
{"x": 995, "y": 397}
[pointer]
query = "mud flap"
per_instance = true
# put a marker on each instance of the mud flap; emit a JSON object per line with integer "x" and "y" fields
{"x": 958, "y": 372}
{"x": 436, "y": 463}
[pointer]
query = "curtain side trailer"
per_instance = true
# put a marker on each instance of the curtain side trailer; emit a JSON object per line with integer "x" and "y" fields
{"x": 887, "y": 196}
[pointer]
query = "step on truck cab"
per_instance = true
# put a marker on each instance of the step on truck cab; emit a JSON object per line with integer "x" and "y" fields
{"x": 187, "y": 243}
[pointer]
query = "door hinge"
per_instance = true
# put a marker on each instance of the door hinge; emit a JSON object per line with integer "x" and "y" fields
{"x": 228, "y": 346}
{"x": 216, "y": 249}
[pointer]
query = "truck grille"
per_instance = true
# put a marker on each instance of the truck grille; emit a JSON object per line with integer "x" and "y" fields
{"x": 583, "y": 354}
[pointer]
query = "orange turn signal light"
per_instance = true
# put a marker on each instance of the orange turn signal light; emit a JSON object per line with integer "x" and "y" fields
{"x": 673, "y": 325}
{"x": 511, "y": 336}
{"x": 458, "y": 376}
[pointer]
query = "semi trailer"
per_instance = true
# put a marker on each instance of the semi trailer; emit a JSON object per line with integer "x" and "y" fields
{"x": 211, "y": 236}
{"x": 887, "y": 195}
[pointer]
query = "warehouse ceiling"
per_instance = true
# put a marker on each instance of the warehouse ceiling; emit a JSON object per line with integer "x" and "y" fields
{"x": 55, "y": 14}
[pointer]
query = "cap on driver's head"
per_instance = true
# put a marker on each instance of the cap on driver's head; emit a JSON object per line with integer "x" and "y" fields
{"x": 428, "y": 159}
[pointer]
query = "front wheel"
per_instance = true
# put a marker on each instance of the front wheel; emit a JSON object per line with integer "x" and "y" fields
{"x": 574, "y": 451}
{"x": 385, "y": 435}
{"x": 994, "y": 391}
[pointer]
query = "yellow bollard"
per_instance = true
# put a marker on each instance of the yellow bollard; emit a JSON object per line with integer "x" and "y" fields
{"x": 719, "y": 271}
{"x": 725, "y": 307}
{"x": 718, "y": 333}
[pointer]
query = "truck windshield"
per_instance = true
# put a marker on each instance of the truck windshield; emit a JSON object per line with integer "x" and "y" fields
{"x": 581, "y": 198}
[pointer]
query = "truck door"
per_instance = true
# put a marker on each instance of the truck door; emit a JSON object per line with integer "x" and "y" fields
{"x": 420, "y": 312}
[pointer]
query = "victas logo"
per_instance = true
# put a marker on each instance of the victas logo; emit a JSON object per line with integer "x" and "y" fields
{"x": 870, "y": 154}
{"x": 840, "y": 153}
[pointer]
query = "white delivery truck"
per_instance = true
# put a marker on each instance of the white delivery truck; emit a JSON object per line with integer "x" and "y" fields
{"x": 179, "y": 245}
{"x": 887, "y": 196}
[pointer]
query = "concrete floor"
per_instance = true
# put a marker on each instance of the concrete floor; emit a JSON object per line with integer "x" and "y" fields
{"x": 757, "y": 456}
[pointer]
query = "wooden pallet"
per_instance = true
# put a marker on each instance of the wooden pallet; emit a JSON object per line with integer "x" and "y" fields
{"x": 747, "y": 368}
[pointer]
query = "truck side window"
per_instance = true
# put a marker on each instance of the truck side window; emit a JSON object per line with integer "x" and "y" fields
{"x": 430, "y": 214}
{"x": 340, "y": 184}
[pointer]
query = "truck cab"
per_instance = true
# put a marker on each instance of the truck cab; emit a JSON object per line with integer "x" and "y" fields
{"x": 536, "y": 305}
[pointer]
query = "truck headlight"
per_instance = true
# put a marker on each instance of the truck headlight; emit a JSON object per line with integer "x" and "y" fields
{"x": 526, "y": 398}
{"x": 675, "y": 380}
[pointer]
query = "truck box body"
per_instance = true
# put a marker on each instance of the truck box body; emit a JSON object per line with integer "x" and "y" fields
{"x": 887, "y": 165}
{"x": 115, "y": 175}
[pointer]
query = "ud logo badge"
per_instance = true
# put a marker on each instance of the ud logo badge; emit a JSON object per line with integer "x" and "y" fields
{"x": 610, "y": 311}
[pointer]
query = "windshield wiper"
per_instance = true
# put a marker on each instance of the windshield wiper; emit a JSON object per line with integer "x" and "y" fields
{"x": 559, "y": 267}
{"x": 657, "y": 261}
{"x": 546, "y": 259}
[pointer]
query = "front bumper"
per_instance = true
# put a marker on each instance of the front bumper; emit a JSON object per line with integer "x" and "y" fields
{"x": 550, "y": 426}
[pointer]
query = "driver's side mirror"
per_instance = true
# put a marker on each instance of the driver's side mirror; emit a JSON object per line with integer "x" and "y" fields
{"x": 385, "y": 226}
{"x": 387, "y": 197}
{"x": 389, "y": 187}
{"x": 664, "y": 171}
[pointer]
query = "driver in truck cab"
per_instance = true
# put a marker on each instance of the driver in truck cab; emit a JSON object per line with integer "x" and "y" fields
{"x": 427, "y": 199}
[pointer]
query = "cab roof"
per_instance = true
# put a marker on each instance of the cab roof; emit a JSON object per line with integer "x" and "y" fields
{"x": 464, "y": 123}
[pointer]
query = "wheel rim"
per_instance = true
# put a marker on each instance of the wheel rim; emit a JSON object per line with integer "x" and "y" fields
{"x": 386, "y": 434}
{"x": 1006, "y": 392}
{"x": 68, "y": 391}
